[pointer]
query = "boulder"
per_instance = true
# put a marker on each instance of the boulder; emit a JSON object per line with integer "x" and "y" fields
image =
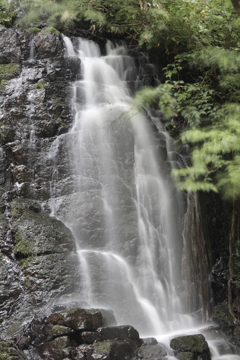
{"x": 82, "y": 352}
{"x": 89, "y": 337}
{"x": 47, "y": 45}
{"x": 78, "y": 319}
{"x": 151, "y": 352}
{"x": 112, "y": 350}
{"x": 57, "y": 349}
{"x": 149, "y": 341}
{"x": 191, "y": 347}
{"x": 124, "y": 332}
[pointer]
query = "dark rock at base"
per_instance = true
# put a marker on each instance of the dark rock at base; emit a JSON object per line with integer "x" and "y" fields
{"x": 108, "y": 317}
{"x": 82, "y": 352}
{"x": 149, "y": 341}
{"x": 112, "y": 350}
{"x": 190, "y": 347}
{"x": 53, "y": 331}
{"x": 187, "y": 356}
{"x": 78, "y": 319}
{"x": 222, "y": 317}
{"x": 75, "y": 334}
{"x": 123, "y": 332}
{"x": 89, "y": 337}
{"x": 151, "y": 352}
{"x": 57, "y": 349}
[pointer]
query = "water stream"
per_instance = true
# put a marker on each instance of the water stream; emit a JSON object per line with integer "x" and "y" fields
{"x": 123, "y": 211}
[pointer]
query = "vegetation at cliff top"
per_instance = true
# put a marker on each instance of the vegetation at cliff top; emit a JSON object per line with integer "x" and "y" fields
{"x": 7, "y": 13}
{"x": 197, "y": 43}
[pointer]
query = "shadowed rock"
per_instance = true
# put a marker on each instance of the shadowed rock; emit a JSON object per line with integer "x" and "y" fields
{"x": 190, "y": 347}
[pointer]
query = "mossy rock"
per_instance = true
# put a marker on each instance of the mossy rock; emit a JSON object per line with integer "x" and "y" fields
{"x": 36, "y": 233}
{"x": 9, "y": 71}
{"x": 191, "y": 343}
{"x": 24, "y": 246}
{"x": 5, "y": 130}
{"x": 51, "y": 30}
{"x": 78, "y": 319}
{"x": 7, "y": 352}
{"x": 58, "y": 330}
{"x": 18, "y": 206}
{"x": 116, "y": 350}
{"x": 56, "y": 349}
{"x": 33, "y": 30}
{"x": 2, "y": 85}
{"x": 186, "y": 356}
{"x": 40, "y": 84}
{"x": 222, "y": 316}
{"x": 196, "y": 345}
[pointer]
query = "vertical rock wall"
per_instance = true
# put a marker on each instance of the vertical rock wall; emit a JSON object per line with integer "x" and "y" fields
{"x": 37, "y": 252}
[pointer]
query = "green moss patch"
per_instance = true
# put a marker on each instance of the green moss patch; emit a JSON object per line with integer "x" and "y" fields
{"x": 9, "y": 71}
{"x": 51, "y": 30}
{"x": 7, "y": 352}
{"x": 33, "y": 30}
{"x": 221, "y": 315}
{"x": 23, "y": 245}
{"x": 41, "y": 84}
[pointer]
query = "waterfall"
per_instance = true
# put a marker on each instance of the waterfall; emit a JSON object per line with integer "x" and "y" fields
{"x": 123, "y": 208}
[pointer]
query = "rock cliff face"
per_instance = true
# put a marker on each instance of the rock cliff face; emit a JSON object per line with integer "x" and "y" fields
{"x": 38, "y": 257}
{"x": 37, "y": 251}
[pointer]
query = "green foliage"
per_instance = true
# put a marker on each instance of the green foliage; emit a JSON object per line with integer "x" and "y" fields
{"x": 200, "y": 91}
{"x": 50, "y": 29}
{"x": 215, "y": 155}
{"x": 7, "y": 72}
{"x": 7, "y": 13}
{"x": 40, "y": 84}
{"x": 173, "y": 27}
{"x": 33, "y": 30}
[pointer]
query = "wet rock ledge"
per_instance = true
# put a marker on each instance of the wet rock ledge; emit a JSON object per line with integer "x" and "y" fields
{"x": 90, "y": 334}
{"x": 38, "y": 258}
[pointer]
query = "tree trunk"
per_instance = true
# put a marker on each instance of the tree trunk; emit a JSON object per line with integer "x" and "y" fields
{"x": 236, "y": 5}
{"x": 234, "y": 264}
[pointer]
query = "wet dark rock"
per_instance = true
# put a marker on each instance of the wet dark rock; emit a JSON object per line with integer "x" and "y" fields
{"x": 83, "y": 352}
{"x": 89, "y": 337}
{"x": 35, "y": 233}
{"x": 62, "y": 336}
{"x": 78, "y": 319}
{"x": 35, "y": 207}
{"x": 108, "y": 317}
{"x": 149, "y": 341}
{"x": 222, "y": 317}
{"x": 44, "y": 248}
{"x": 73, "y": 65}
{"x": 57, "y": 349}
{"x": 190, "y": 347}
{"x": 123, "y": 332}
{"x": 219, "y": 280}
{"x": 48, "y": 45}
{"x": 112, "y": 350}
{"x": 151, "y": 352}
{"x": 10, "y": 50}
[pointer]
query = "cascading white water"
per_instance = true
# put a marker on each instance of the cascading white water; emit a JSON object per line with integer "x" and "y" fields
{"x": 122, "y": 210}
